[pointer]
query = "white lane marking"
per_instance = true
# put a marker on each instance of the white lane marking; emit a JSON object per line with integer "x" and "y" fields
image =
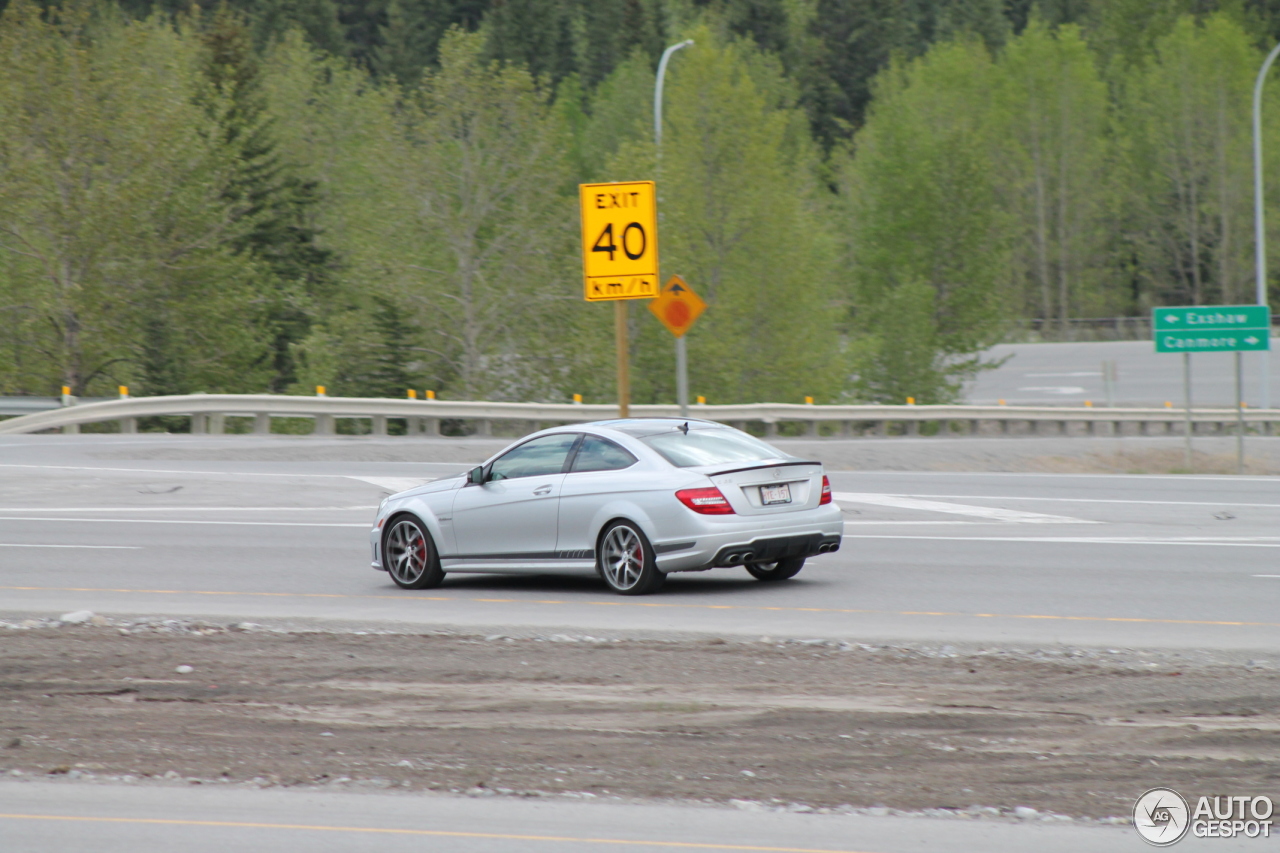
{"x": 930, "y": 523}
{"x": 395, "y": 484}
{"x": 149, "y": 471}
{"x": 180, "y": 521}
{"x": 1060, "y": 375}
{"x": 188, "y": 508}
{"x": 1219, "y": 504}
{"x": 1244, "y": 542}
{"x": 162, "y": 471}
{"x": 1054, "y": 389}
{"x": 94, "y": 547}
{"x": 1267, "y": 576}
{"x": 1181, "y": 478}
{"x": 1015, "y": 516}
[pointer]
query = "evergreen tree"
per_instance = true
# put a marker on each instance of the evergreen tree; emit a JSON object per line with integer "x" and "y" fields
{"x": 271, "y": 19}
{"x": 388, "y": 353}
{"x": 409, "y": 41}
{"x": 534, "y": 34}
{"x": 275, "y": 205}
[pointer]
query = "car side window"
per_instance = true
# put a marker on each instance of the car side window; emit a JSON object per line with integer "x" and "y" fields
{"x": 536, "y": 458}
{"x": 600, "y": 454}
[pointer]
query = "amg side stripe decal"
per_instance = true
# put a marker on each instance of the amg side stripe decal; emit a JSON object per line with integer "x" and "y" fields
{"x": 526, "y": 555}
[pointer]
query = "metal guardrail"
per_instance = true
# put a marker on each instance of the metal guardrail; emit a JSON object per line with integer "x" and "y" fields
{"x": 27, "y": 405}
{"x": 208, "y": 413}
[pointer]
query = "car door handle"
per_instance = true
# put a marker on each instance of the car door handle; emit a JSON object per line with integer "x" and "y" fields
{"x": 542, "y": 490}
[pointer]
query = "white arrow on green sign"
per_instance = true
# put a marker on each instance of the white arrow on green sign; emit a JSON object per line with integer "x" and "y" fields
{"x": 1212, "y": 328}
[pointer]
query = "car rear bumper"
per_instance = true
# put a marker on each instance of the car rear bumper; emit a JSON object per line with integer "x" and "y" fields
{"x": 817, "y": 531}
{"x": 777, "y": 548}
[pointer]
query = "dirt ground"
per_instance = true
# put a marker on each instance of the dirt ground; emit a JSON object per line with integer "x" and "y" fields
{"x": 1078, "y": 733}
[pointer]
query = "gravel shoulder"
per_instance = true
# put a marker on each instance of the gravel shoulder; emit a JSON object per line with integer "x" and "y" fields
{"x": 802, "y": 724}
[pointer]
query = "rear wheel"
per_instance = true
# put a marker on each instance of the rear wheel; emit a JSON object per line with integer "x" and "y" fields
{"x": 778, "y": 570}
{"x": 409, "y": 555}
{"x": 627, "y": 562}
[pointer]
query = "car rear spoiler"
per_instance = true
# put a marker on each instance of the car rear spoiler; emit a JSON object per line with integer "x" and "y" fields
{"x": 711, "y": 470}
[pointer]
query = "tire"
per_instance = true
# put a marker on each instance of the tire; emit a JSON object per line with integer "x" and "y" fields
{"x": 626, "y": 560}
{"x": 409, "y": 555}
{"x": 776, "y": 571}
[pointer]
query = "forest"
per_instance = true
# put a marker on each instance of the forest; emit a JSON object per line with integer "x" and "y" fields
{"x": 377, "y": 195}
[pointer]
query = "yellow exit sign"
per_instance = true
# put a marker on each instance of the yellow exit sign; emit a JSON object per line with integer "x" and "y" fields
{"x": 619, "y": 240}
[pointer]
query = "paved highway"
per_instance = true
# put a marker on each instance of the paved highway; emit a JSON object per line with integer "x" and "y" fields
{"x": 1067, "y": 374}
{"x": 1022, "y": 560}
{"x": 38, "y": 817}
{"x": 977, "y": 558}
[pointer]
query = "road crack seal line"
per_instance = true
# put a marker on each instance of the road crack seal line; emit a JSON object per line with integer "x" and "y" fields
{"x": 405, "y": 598}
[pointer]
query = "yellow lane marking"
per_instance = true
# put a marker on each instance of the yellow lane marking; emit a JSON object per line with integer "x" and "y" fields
{"x": 672, "y": 605}
{"x": 435, "y": 833}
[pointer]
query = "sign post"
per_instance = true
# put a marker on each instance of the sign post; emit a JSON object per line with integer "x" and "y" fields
{"x": 1213, "y": 328}
{"x": 677, "y": 307}
{"x": 619, "y": 257}
{"x": 1186, "y": 395}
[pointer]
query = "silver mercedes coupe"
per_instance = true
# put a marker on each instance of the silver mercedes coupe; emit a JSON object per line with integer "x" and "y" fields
{"x": 631, "y": 500}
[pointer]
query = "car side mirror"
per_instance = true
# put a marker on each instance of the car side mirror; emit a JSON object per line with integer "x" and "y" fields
{"x": 475, "y": 476}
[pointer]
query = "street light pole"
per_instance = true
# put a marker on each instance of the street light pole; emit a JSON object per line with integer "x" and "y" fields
{"x": 1259, "y": 236}
{"x": 682, "y": 356}
{"x": 657, "y": 91}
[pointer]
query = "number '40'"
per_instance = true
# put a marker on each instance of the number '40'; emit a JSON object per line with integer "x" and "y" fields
{"x": 604, "y": 243}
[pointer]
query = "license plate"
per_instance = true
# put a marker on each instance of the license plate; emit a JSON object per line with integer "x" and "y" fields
{"x": 779, "y": 494}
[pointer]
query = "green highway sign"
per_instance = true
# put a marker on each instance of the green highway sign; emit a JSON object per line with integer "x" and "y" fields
{"x": 1212, "y": 328}
{"x": 1215, "y": 317}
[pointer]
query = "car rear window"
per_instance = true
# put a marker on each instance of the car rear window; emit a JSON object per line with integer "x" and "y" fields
{"x": 709, "y": 447}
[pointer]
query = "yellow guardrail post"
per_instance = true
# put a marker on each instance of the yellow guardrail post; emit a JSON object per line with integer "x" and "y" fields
{"x": 127, "y": 425}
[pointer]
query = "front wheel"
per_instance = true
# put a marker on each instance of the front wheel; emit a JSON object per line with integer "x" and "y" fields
{"x": 627, "y": 562}
{"x": 779, "y": 570}
{"x": 409, "y": 555}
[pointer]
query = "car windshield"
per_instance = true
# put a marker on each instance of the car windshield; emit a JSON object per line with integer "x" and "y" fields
{"x": 709, "y": 447}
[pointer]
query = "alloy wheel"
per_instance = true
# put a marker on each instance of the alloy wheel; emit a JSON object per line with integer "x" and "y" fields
{"x": 406, "y": 552}
{"x": 623, "y": 557}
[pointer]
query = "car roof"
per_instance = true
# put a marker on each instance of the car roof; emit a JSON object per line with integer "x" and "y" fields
{"x": 640, "y": 426}
{"x": 631, "y": 429}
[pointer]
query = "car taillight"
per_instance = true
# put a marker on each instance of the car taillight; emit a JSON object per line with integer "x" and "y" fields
{"x": 705, "y": 501}
{"x": 826, "y": 491}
